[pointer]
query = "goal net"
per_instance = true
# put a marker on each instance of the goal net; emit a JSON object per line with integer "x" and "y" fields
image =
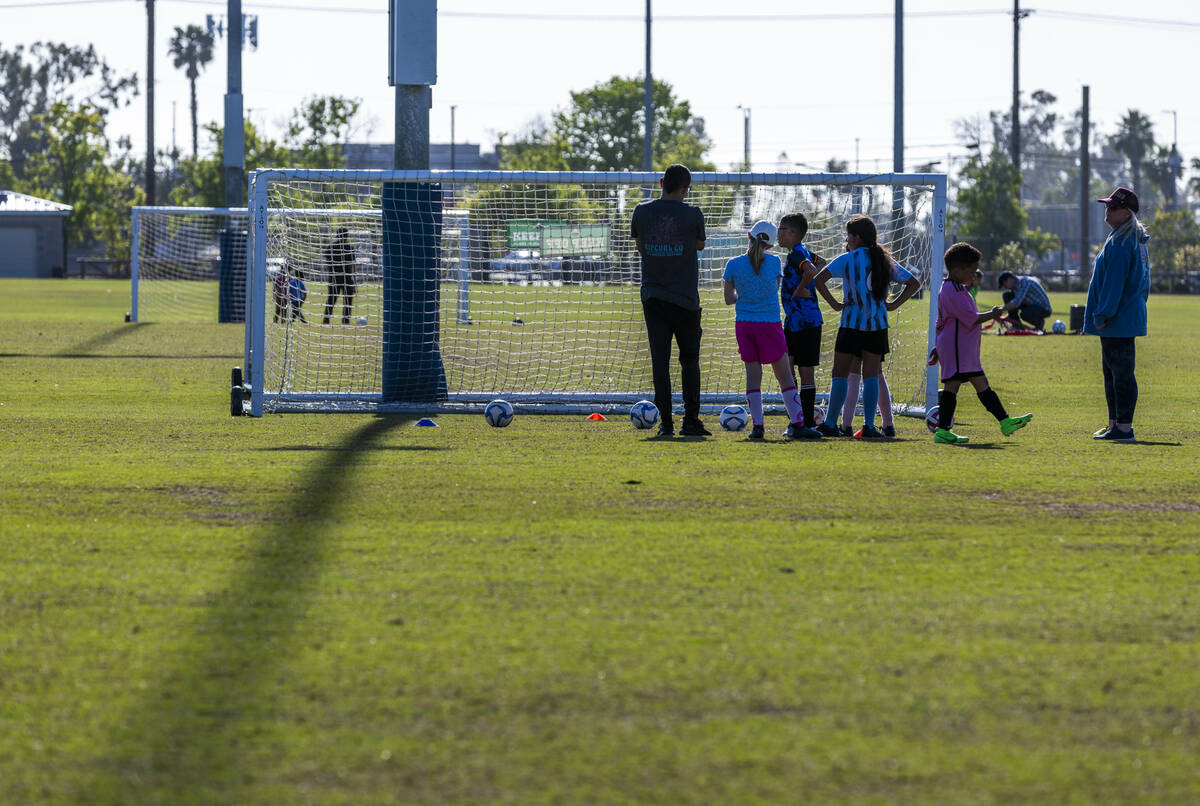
{"x": 440, "y": 290}
{"x": 188, "y": 264}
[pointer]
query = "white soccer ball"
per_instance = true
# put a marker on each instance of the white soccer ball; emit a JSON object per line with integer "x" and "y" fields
{"x": 1060, "y": 326}
{"x": 818, "y": 415}
{"x": 931, "y": 419}
{"x": 362, "y": 320}
{"x": 734, "y": 418}
{"x": 643, "y": 414}
{"x": 498, "y": 413}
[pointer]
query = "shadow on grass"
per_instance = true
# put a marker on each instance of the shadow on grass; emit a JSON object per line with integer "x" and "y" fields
{"x": 87, "y": 348}
{"x": 198, "y": 730}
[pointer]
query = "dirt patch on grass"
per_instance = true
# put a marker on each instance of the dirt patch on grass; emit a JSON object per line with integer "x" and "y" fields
{"x": 213, "y": 505}
{"x": 1071, "y": 508}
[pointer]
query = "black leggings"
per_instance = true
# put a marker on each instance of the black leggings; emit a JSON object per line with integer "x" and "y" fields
{"x": 1118, "y": 357}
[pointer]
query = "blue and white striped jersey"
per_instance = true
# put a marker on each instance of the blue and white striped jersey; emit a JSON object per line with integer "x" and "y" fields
{"x": 862, "y": 311}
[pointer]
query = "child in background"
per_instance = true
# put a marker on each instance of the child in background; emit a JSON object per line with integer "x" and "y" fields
{"x": 867, "y": 271}
{"x": 957, "y": 351}
{"x": 752, "y": 283}
{"x": 801, "y": 316}
{"x": 976, "y": 284}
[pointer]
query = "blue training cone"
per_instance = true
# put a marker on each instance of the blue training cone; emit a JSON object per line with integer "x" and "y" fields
{"x": 425, "y": 422}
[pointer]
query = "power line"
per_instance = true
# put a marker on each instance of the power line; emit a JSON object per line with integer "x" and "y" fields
{"x": 1075, "y": 16}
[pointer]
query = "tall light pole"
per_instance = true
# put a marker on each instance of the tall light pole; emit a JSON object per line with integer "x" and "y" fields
{"x": 745, "y": 137}
{"x": 453, "y": 107}
{"x": 150, "y": 102}
{"x": 1174, "y": 161}
{"x": 1018, "y": 15}
{"x": 234, "y": 139}
{"x": 648, "y": 104}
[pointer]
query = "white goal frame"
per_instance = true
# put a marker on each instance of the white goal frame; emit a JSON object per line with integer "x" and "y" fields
{"x": 263, "y": 209}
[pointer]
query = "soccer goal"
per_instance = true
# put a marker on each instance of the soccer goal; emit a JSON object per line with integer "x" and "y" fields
{"x": 188, "y": 264}
{"x": 443, "y": 290}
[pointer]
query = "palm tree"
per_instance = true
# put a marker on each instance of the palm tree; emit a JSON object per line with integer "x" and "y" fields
{"x": 192, "y": 47}
{"x": 1135, "y": 140}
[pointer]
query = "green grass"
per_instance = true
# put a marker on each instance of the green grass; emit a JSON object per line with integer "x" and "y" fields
{"x": 348, "y": 609}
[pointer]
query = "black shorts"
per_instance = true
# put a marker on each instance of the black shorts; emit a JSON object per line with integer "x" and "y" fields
{"x": 804, "y": 346}
{"x": 857, "y": 342}
{"x": 964, "y": 376}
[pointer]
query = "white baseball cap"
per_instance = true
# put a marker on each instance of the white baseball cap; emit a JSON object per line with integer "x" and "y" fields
{"x": 764, "y": 231}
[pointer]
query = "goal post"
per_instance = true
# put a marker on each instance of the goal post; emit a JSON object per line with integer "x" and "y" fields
{"x": 442, "y": 290}
{"x": 187, "y": 264}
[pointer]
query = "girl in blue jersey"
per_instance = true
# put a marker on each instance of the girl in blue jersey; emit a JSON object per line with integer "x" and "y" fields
{"x": 752, "y": 284}
{"x": 866, "y": 270}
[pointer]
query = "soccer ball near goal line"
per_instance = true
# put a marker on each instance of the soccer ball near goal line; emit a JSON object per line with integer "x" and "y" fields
{"x": 498, "y": 413}
{"x": 643, "y": 414}
{"x": 931, "y": 419}
{"x": 734, "y": 418}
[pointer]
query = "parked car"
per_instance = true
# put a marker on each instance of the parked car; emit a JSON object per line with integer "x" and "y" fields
{"x": 524, "y": 264}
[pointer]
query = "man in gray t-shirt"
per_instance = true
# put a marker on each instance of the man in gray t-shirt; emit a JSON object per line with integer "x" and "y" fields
{"x": 669, "y": 232}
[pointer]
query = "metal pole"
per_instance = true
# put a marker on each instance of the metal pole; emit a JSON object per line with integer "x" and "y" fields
{"x": 746, "y": 138}
{"x": 452, "y": 108}
{"x": 150, "y": 200}
{"x": 648, "y": 104}
{"x": 234, "y": 138}
{"x": 898, "y": 120}
{"x": 1085, "y": 176}
{"x": 898, "y": 103}
{"x": 411, "y": 151}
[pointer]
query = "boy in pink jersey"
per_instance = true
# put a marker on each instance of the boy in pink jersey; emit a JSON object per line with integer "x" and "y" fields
{"x": 957, "y": 346}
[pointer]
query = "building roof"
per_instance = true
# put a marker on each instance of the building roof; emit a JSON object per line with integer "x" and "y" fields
{"x": 13, "y": 202}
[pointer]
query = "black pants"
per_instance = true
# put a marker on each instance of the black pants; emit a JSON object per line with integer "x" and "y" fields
{"x": 346, "y": 292}
{"x": 1035, "y": 316}
{"x": 665, "y": 321}
{"x": 1118, "y": 357}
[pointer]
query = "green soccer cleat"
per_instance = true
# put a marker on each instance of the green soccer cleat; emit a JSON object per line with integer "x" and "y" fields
{"x": 945, "y": 436}
{"x": 1009, "y": 425}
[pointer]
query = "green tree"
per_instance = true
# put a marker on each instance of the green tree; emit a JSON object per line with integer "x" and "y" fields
{"x": 1134, "y": 140}
{"x": 319, "y": 130}
{"x": 603, "y": 130}
{"x": 32, "y": 80}
{"x": 202, "y": 180}
{"x": 69, "y": 165}
{"x": 988, "y": 210}
{"x": 192, "y": 48}
{"x": 535, "y": 148}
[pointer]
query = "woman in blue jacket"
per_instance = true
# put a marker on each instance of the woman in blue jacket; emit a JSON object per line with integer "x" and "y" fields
{"x": 1116, "y": 308}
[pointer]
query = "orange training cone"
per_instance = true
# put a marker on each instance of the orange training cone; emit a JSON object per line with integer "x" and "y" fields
{"x": 596, "y": 416}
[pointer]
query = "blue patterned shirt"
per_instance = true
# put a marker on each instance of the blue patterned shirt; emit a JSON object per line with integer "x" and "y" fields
{"x": 1029, "y": 291}
{"x": 862, "y": 311}
{"x": 802, "y": 312}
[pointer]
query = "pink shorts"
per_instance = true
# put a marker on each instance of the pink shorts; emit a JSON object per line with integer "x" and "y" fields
{"x": 760, "y": 342}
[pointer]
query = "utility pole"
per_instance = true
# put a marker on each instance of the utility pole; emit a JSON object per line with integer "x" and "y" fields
{"x": 1018, "y": 15}
{"x": 452, "y": 108}
{"x": 150, "y": 103}
{"x": 1174, "y": 161}
{"x": 648, "y": 104}
{"x": 745, "y": 137}
{"x": 898, "y": 102}
{"x": 898, "y": 117}
{"x": 1085, "y": 182}
{"x": 234, "y": 138}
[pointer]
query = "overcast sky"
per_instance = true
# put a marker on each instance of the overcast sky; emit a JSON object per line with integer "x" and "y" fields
{"x": 817, "y": 77}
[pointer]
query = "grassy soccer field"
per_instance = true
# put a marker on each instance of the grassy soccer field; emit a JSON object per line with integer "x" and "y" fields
{"x": 349, "y": 609}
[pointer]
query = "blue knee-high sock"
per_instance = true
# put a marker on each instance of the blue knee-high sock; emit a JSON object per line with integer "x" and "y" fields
{"x": 870, "y": 387}
{"x": 837, "y": 396}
